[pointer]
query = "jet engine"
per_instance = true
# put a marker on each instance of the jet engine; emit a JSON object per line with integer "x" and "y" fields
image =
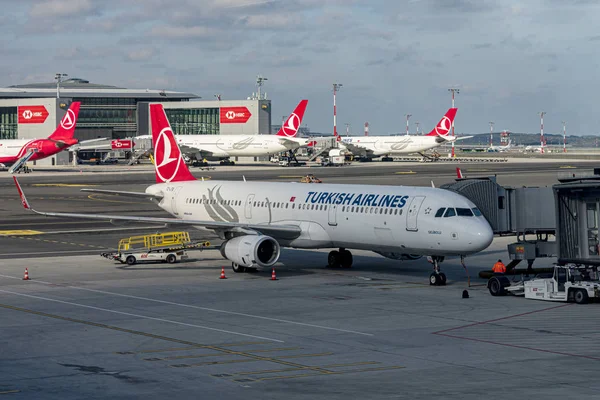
{"x": 399, "y": 256}
{"x": 251, "y": 251}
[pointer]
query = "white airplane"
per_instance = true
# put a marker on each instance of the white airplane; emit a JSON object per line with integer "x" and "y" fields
{"x": 256, "y": 219}
{"x": 506, "y": 147}
{"x": 376, "y": 146}
{"x": 222, "y": 147}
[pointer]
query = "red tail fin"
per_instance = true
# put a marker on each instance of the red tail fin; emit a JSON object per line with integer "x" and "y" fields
{"x": 292, "y": 124}
{"x": 169, "y": 164}
{"x": 445, "y": 125}
{"x": 66, "y": 129}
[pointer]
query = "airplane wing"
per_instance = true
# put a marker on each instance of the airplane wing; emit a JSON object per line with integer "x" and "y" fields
{"x": 293, "y": 141}
{"x": 124, "y": 194}
{"x": 442, "y": 139}
{"x": 288, "y": 232}
{"x": 357, "y": 150}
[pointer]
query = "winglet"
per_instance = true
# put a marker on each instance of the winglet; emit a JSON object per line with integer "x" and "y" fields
{"x": 292, "y": 124}
{"x": 459, "y": 173}
{"x": 445, "y": 125}
{"x": 22, "y": 195}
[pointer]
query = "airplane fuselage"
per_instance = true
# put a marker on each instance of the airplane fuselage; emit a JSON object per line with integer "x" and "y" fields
{"x": 11, "y": 150}
{"x": 394, "y": 219}
{"x": 224, "y": 146}
{"x": 394, "y": 145}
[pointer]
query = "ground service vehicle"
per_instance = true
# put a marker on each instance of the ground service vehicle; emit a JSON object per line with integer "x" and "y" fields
{"x": 578, "y": 284}
{"x": 167, "y": 247}
{"x": 310, "y": 178}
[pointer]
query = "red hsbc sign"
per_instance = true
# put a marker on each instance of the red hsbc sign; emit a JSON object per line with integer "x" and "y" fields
{"x": 121, "y": 144}
{"x": 235, "y": 115}
{"x": 32, "y": 114}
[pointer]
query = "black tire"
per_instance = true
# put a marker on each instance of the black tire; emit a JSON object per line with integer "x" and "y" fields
{"x": 346, "y": 259}
{"x": 171, "y": 258}
{"x": 238, "y": 268}
{"x": 434, "y": 279}
{"x": 130, "y": 260}
{"x": 580, "y": 297}
{"x": 442, "y": 279}
{"x": 333, "y": 260}
{"x": 495, "y": 287}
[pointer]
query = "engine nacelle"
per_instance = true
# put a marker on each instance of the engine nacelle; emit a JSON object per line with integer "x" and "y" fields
{"x": 252, "y": 251}
{"x": 399, "y": 256}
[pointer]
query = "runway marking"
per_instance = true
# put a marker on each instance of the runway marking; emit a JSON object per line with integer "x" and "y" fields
{"x": 63, "y": 184}
{"x": 271, "y": 371}
{"x": 477, "y": 170}
{"x": 187, "y": 348}
{"x": 567, "y": 167}
{"x": 203, "y": 308}
{"x": 139, "y": 316}
{"x": 50, "y": 252}
{"x": 20, "y": 232}
{"x": 272, "y": 378}
{"x": 10, "y": 391}
{"x": 165, "y": 338}
{"x": 45, "y": 240}
{"x": 291, "y": 176}
{"x": 220, "y": 355}
{"x": 405, "y": 172}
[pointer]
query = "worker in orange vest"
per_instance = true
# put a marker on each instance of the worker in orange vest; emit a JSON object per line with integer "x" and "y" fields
{"x": 499, "y": 268}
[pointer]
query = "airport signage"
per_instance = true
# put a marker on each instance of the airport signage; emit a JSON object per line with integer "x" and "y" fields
{"x": 32, "y": 114}
{"x": 234, "y": 115}
{"x": 121, "y": 144}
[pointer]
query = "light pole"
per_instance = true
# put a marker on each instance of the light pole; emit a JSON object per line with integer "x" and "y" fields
{"x": 454, "y": 91}
{"x": 58, "y": 78}
{"x": 336, "y": 87}
{"x": 260, "y": 80}
{"x": 366, "y": 129}
{"x": 347, "y": 129}
{"x": 218, "y": 96}
{"x": 407, "y": 117}
{"x": 417, "y": 124}
{"x": 564, "y": 136}
{"x": 541, "y": 114}
{"x": 491, "y": 133}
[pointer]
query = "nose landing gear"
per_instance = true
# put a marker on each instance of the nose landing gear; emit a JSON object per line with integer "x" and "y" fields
{"x": 437, "y": 278}
{"x": 341, "y": 258}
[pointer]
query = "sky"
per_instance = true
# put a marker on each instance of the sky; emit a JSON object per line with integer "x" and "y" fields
{"x": 509, "y": 59}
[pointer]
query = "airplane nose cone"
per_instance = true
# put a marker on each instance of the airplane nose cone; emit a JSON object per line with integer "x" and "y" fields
{"x": 482, "y": 236}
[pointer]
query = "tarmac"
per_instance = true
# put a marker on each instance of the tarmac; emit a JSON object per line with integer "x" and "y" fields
{"x": 87, "y": 327}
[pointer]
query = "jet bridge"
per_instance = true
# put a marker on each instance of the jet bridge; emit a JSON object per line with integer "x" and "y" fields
{"x": 568, "y": 211}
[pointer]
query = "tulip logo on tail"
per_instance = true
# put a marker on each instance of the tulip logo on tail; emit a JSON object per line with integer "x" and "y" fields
{"x": 167, "y": 156}
{"x": 444, "y": 126}
{"x": 291, "y": 126}
{"x": 217, "y": 208}
{"x": 68, "y": 120}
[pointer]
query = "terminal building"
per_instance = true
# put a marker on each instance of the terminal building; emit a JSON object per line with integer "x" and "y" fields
{"x": 33, "y": 111}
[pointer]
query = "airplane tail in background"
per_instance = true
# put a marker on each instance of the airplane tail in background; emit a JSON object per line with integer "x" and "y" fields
{"x": 292, "y": 124}
{"x": 66, "y": 129}
{"x": 169, "y": 163}
{"x": 445, "y": 125}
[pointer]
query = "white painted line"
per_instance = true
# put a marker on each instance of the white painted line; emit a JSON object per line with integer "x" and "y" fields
{"x": 51, "y": 252}
{"x": 139, "y": 316}
{"x": 202, "y": 308}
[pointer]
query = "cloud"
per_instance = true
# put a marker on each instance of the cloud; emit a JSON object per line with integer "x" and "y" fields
{"x": 61, "y": 9}
{"x": 182, "y": 32}
{"x": 139, "y": 55}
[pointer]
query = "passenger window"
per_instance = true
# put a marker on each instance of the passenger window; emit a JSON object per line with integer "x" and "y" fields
{"x": 464, "y": 212}
{"x": 450, "y": 213}
{"x": 400, "y": 212}
{"x": 476, "y": 212}
{"x": 343, "y": 208}
{"x": 440, "y": 212}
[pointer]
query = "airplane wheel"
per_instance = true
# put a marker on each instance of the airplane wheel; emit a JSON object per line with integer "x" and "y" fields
{"x": 442, "y": 279}
{"x": 237, "y": 268}
{"x": 346, "y": 259}
{"x": 333, "y": 260}
{"x": 434, "y": 279}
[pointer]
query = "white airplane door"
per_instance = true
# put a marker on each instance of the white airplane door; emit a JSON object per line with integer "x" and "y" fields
{"x": 413, "y": 213}
{"x": 248, "y": 207}
{"x": 174, "y": 200}
{"x": 333, "y": 214}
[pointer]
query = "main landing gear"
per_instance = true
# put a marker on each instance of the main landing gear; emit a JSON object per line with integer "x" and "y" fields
{"x": 341, "y": 258}
{"x": 226, "y": 162}
{"x": 437, "y": 278}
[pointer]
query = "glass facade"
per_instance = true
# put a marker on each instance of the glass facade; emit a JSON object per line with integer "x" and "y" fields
{"x": 118, "y": 114}
{"x": 8, "y": 122}
{"x": 194, "y": 121}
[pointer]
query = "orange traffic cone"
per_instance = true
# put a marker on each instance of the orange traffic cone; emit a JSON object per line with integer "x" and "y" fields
{"x": 222, "y": 273}
{"x": 273, "y": 276}
{"x": 26, "y": 276}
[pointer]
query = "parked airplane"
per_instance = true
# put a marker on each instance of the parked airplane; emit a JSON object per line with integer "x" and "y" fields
{"x": 506, "y": 147}
{"x": 376, "y": 146}
{"x": 16, "y": 152}
{"x": 256, "y": 219}
{"x": 222, "y": 147}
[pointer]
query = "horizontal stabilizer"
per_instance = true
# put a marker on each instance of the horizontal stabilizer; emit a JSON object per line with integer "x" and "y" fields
{"x": 124, "y": 194}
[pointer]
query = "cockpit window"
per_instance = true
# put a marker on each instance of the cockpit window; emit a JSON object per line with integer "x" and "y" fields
{"x": 440, "y": 212}
{"x": 464, "y": 212}
{"x": 450, "y": 213}
{"x": 476, "y": 212}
